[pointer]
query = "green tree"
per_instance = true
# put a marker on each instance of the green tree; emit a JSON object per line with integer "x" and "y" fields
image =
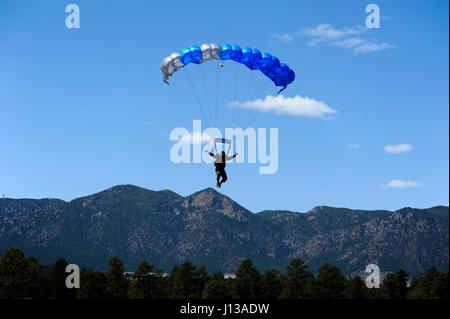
{"x": 187, "y": 281}
{"x": 231, "y": 285}
{"x": 142, "y": 282}
{"x": 356, "y": 289}
{"x": 93, "y": 285}
{"x": 271, "y": 284}
{"x": 216, "y": 287}
{"x": 247, "y": 281}
{"x": 40, "y": 284}
{"x": 22, "y": 277}
{"x": 421, "y": 287}
{"x": 160, "y": 285}
{"x": 440, "y": 286}
{"x": 297, "y": 281}
{"x": 331, "y": 283}
{"x": 394, "y": 286}
{"x": 117, "y": 286}
{"x": 59, "y": 276}
{"x": 417, "y": 293}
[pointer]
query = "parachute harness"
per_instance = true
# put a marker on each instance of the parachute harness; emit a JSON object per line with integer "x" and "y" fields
{"x": 223, "y": 141}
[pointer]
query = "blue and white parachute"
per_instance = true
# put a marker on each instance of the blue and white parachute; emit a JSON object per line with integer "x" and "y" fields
{"x": 279, "y": 73}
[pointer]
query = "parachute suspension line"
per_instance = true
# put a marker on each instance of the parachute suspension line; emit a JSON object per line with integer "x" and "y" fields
{"x": 205, "y": 87}
{"x": 183, "y": 100}
{"x": 256, "y": 112}
{"x": 217, "y": 98}
{"x": 253, "y": 114}
{"x": 234, "y": 93}
{"x": 262, "y": 87}
{"x": 250, "y": 85}
{"x": 259, "y": 86}
{"x": 196, "y": 96}
{"x": 242, "y": 112}
{"x": 201, "y": 87}
{"x": 251, "y": 119}
{"x": 250, "y": 91}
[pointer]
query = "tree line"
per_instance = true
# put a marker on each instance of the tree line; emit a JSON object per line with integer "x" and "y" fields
{"x": 24, "y": 277}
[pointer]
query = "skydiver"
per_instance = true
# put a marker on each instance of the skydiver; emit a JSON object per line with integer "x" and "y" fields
{"x": 220, "y": 163}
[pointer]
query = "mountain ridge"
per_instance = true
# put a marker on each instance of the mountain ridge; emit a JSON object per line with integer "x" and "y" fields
{"x": 210, "y": 188}
{"x": 209, "y": 228}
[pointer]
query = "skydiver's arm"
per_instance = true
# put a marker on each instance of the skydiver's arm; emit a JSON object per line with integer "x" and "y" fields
{"x": 210, "y": 154}
{"x": 231, "y": 157}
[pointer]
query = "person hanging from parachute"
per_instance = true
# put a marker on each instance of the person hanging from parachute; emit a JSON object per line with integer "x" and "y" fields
{"x": 279, "y": 73}
{"x": 221, "y": 160}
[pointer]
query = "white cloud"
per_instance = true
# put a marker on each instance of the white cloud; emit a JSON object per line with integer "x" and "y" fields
{"x": 354, "y": 146}
{"x": 286, "y": 38}
{"x": 326, "y": 32}
{"x": 348, "y": 38}
{"x": 371, "y": 46}
{"x": 196, "y": 138}
{"x": 320, "y": 33}
{"x": 398, "y": 148}
{"x": 297, "y": 106}
{"x": 360, "y": 46}
{"x": 397, "y": 183}
{"x": 348, "y": 43}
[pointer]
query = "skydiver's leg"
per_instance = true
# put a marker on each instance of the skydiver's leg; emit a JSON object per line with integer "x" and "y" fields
{"x": 218, "y": 176}
{"x": 224, "y": 177}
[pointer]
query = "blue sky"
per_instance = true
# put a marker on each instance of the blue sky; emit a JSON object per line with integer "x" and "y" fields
{"x": 85, "y": 109}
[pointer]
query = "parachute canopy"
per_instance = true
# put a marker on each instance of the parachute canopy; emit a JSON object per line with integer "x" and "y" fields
{"x": 269, "y": 65}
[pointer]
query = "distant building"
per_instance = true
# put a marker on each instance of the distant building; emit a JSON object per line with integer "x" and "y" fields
{"x": 130, "y": 273}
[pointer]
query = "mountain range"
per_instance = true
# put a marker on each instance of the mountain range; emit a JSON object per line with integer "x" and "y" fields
{"x": 211, "y": 229}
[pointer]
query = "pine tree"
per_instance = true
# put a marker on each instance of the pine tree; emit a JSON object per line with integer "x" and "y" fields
{"x": 142, "y": 282}
{"x": 22, "y": 277}
{"x": 271, "y": 284}
{"x": 356, "y": 289}
{"x": 297, "y": 280}
{"x": 331, "y": 283}
{"x": 59, "y": 276}
{"x": 93, "y": 285}
{"x": 117, "y": 283}
{"x": 216, "y": 287}
{"x": 248, "y": 281}
{"x": 394, "y": 286}
{"x": 187, "y": 281}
